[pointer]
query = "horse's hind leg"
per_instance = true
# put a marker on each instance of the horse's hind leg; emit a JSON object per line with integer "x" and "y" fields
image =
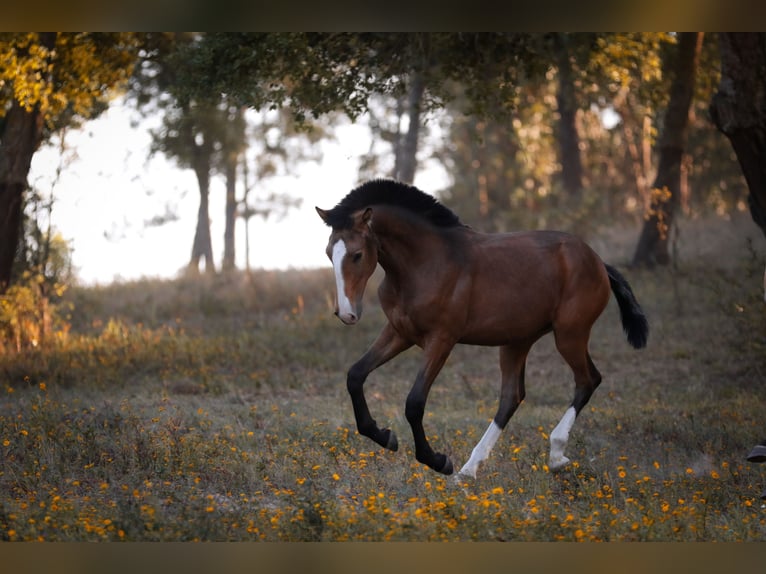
{"x": 512, "y": 362}
{"x": 574, "y": 349}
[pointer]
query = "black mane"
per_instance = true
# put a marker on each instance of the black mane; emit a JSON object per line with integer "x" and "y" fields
{"x": 393, "y": 193}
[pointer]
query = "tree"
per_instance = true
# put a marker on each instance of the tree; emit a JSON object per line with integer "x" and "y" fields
{"x": 276, "y": 145}
{"x": 623, "y": 80}
{"x": 401, "y": 146}
{"x": 503, "y": 172}
{"x": 738, "y": 110}
{"x": 406, "y": 156}
{"x": 190, "y": 132}
{"x": 233, "y": 148}
{"x": 652, "y": 245}
{"x": 194, "y": 147}
{"x": 206, "y": 138}
{"x": 47, "y": 81}
{"x": 566, "y": 100}
{"x": 207, "y": 129}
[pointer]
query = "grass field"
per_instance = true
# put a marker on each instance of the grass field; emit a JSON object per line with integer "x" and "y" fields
{"x": 216, "y": 409}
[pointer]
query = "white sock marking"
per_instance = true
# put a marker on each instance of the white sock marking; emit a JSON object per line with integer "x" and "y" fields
{"x": 338, "y": 254}
{"x": 559, "y": 439}
{"x": 481, "y": 450}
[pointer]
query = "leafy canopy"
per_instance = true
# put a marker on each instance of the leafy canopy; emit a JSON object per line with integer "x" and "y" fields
{"x": 67, "y": 76}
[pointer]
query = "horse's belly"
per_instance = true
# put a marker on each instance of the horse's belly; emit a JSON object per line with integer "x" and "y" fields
{"x": 505, "y": 327}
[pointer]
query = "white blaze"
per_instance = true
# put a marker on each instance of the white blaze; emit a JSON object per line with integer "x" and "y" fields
{"x": 481, "y": 450}
{"x": 559, "y": 439}
{"x": 338, "y": 254}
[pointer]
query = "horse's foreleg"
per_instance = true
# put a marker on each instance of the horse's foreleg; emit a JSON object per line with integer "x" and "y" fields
{"x": 384, "y": 348}
{"x": 436, "y": 354}
{"x": 512, "y": 391}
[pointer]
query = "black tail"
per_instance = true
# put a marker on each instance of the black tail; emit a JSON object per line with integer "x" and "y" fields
{"x": 634, "y": 321}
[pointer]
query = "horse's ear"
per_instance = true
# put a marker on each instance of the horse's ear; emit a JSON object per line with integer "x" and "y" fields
{"x": 322, "y": 213}
{"x": 367, "y": 216}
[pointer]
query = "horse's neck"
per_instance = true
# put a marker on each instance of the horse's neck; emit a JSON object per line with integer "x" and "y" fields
{"x": 405, "y": 243}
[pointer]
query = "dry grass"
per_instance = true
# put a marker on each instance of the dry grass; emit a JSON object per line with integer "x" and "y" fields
{"x": 216, "y": 409}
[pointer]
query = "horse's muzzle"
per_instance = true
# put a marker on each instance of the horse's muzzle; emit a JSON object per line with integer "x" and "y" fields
{"x": 348, "y": 318}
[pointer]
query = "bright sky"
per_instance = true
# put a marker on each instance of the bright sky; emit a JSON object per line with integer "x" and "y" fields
{"x": 108, "y": 189}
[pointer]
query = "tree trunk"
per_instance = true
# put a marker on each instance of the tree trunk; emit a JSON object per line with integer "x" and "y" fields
{"x": 407, "y": 148}
{"x": 229, "y": 259}
{"x": 202, "y": 246}
{"x": 738, "y": 110}
{"x": 637, "y": 135}
{"x": 652, "y": 248}
{"x": 245, "y": 213}
{"x": 569, "y": 140}
{"x": 19, "y": 140}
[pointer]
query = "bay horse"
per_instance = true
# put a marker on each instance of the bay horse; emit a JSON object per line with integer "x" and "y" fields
{"x": 446, "y": 284}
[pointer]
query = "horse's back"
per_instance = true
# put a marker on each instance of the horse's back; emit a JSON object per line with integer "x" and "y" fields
{"x": 524, "y": 283}
{"x": 534, "y": 259}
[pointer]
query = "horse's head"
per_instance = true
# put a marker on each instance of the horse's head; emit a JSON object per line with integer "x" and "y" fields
{"x": 354, "y": 255}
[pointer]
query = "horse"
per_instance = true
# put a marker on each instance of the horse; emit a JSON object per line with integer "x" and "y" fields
{"x": 447, "y": 284}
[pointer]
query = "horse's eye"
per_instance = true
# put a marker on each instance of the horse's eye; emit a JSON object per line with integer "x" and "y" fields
{"x": 356, "y": 257}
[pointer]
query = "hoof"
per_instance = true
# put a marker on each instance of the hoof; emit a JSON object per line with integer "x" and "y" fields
{"x": 446, "y": 468}
{"x": 558, "y": 464}
{"x": 758, "y": 454}
{"x": 463, "y": 480}
{"x": 392, "y": 443}
{"x": 466, "y": 472}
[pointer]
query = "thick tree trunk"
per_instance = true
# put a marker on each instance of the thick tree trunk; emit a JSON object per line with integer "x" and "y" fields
{"x": 569, "y": 139}
{"x": 738, "y": 110}
{"x": 652, "y": 248}
{"x": 407, "y": 147}
{"x": 19, "y": 140}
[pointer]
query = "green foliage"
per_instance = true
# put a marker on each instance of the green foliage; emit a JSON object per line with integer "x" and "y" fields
{"x": 317, "y": 73}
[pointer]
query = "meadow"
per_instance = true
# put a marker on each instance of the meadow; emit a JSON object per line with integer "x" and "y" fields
{"x": 215, "y": 409}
